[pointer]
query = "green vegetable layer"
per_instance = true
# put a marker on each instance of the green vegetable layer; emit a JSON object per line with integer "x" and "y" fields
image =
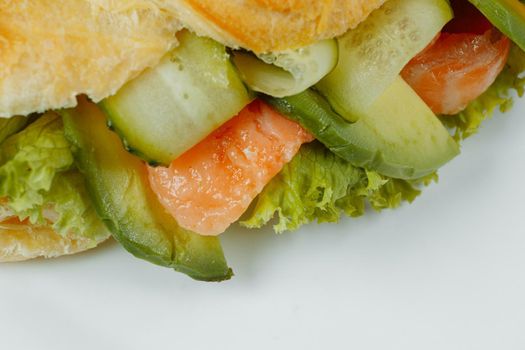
{"x": 372, "y": 55}
{"x": 319, "y": 186}
{"x": 37, "y": 174}
{"x": 119, "y": 186}
{"x": 11, "y": 126}
{"x": 170, "y": 108}
{"x": 398, "y": 136}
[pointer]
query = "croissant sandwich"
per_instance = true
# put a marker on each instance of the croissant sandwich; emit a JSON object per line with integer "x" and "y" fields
{"x": 163, "y": 122}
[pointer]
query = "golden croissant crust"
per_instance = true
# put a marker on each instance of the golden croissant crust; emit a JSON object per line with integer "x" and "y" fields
{"x": 270, "y": 25}
{"x": 51, "y": 51}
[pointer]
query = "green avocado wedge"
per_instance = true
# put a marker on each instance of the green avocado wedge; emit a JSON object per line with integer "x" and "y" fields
{"x": 507, "y": 15}
{"x": 398, "y": 136}
{"x": 118, "y": 184}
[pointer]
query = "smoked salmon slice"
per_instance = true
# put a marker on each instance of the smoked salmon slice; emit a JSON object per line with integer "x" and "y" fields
{"x": 210, "y": 186}
{"x": 457, "y": 68}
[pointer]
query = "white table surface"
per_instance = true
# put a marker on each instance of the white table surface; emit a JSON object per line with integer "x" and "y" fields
{"x": 447, "y": 272}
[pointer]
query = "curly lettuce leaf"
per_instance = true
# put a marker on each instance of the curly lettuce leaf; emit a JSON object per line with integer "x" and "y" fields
{"x": 38, "y": 179}
{"x": 498, "y": 96}
{"x": 319, "y": 186}
{"x": 11, "y": 126}
{"x": 72, "y": 204}
{"x": 29, "y": 161}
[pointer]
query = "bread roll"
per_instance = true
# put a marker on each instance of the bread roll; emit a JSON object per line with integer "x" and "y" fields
{"x": 271, "y": 25}
{"x": 23, "y": 241}
{"x": 52, "y": 51}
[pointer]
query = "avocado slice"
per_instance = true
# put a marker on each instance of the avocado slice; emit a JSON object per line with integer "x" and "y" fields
{"x": 120, "y": 190}
{"x": 507, "y": 15}
{"x": 398, "y": 136}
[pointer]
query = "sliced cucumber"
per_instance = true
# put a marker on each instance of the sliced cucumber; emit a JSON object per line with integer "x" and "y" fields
{"x": 287, "y": 72}
{"x": 10, "y": 126}
{"x": 399, "y": 136}
{"x": 170, "y": 108}
{"x": 120, "y": 190}
{"x": 507, "y": 15}
{"x": 372, "y": 55}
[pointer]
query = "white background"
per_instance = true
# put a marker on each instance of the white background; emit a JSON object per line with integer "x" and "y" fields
{"x": 447, "y": 272}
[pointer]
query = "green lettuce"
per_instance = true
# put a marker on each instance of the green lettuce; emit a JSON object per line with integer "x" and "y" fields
{"x": 498, "y": 96}
{"x": 319, "y": 186}
{"x": 40, "y": 183}
{"x": 10, "y": 126}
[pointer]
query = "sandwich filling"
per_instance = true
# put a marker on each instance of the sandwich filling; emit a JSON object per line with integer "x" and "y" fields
{"x": 176, "y": 136}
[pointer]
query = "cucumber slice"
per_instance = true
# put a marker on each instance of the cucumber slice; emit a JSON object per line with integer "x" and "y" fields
{"x": 287, "y": 72}
{"x": 507, "y": 15}
{"x": 372, "y": 55}
{"x": 172, "y": 107}
{"x": 120, "y": 190}
{"x": 10, "y": 126}
{"x": 399, "y": 136}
